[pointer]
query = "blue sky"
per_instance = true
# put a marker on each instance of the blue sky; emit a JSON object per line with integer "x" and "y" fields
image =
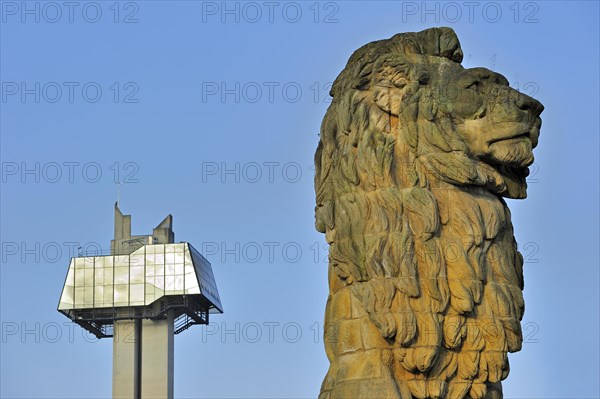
{"x": 210, "y": 111}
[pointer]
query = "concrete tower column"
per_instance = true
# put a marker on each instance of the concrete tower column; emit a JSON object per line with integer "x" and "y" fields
{"x": 143, "y": 359}
{"x": 157, "y": 358}
{"x": 125, "y": 360}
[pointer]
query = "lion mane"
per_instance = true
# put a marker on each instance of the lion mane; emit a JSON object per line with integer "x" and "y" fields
{"x": 424, "y": 273}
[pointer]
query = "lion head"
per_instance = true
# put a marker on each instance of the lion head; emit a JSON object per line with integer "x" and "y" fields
{"x": 415, "y": 153}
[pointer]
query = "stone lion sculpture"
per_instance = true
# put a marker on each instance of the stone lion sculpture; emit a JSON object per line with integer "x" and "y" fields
{"x": 415, "y": 155}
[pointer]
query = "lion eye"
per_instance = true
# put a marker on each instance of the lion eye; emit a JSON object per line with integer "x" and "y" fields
{"x": 474, "y": 86}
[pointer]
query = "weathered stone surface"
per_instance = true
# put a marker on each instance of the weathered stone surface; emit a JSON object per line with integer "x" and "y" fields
{"x": 416, "y": 153}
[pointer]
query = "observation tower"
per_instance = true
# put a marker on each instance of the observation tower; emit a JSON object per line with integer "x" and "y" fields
{"x": 145, "y": 291}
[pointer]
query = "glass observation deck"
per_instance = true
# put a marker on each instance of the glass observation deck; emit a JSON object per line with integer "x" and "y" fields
{"x": 143, "y": 284}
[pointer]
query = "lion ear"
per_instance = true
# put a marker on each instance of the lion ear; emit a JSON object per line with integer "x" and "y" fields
{"x": 440, "y": 42}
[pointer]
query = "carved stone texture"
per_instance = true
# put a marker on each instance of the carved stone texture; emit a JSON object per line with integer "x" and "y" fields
{"x": 415, "y": 155}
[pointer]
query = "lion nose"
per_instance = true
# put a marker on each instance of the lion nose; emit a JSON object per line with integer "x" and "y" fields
{"x": 529, "y": 104}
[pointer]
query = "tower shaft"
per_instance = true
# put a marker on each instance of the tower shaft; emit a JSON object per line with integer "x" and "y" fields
{"x": 143, "y": 359}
